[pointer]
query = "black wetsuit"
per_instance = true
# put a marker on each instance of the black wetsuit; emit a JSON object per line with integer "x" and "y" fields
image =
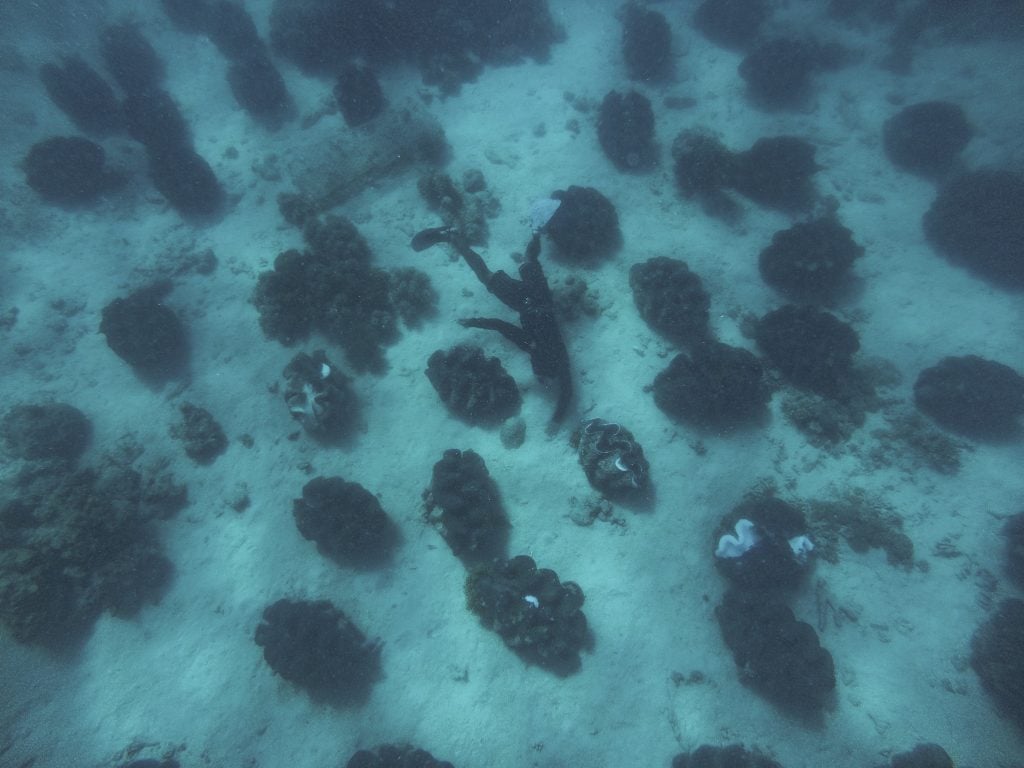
{"x": 538, "y": 333}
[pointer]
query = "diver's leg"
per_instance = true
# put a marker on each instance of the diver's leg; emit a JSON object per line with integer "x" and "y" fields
{"x": 564, "y": 383}
{"x": 509, "y": 291}
{"x": 533, "y": 248}
{"x": 432, "y": 236}
{"x": 513, "y": 333}
{"x": 475, "y": 261}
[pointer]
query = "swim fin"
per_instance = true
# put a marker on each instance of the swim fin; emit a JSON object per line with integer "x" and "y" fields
{"x": 428, "y": 237}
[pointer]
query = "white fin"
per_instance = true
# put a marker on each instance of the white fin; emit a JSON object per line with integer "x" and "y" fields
{"x": 541, "y": 212}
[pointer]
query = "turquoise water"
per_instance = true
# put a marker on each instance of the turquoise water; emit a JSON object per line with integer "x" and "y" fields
{"x": 140, "y": 547}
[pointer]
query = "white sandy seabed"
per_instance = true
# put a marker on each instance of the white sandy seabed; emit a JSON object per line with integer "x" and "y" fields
{"x": 187, "y": 672}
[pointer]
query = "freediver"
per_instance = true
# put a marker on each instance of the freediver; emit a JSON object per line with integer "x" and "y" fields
{"x": 538, "y": 333}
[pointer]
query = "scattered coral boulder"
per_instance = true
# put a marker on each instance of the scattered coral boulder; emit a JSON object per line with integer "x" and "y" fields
{"x": 179, "y": 173}
{"x": 779, "y": 72}
{"x": 703, "y": 163}
{"x": 297, "y": 209}
{"x": 284, "y": 297}
{"x": 926, "y": 138}
{"x": 188, "y": 15}
{"x": 763, "y": 544}
{"x": 186, "y": 181}
{"x": 83, "y": 95}
{"x": 864, "y": 524}
{"x": 232, "y": 29}
{"x": 203, "y": 438}
{"x": 923, "y": 756}
{"x": 259, "y": 89}
{"x": 812, "y": 348}
{"x": 68, "y": 170}
{"x": 315, "y": 646}
{"x": 975, "y": 222}
{"x": 345, "y": 520}
{"x": 152, "y": 762}
{"x": 585, "y": 227}
{"x": 997, "y": 655}
{"x": 732, "y": 756}
{"x": 46, "y": 431}
{"x": 611, "y": 458}
{"x": 448, "y": 41}
{"x": 413, "y": 295}
{"x": 154, "y": 119}
{"x": 321, "y": 36}
{"x": 359, "y": 95}
{"x": 320, "y": 397}
{"x": 130, "y": 58}
{"x": 714, "y": 385}
{"x": 147, "y": 334}
{"x": 464, "y": 504}
{"x": 704, "y": 167}
{"x": 811, "y": 261}
{"x": 972, "y": 396}
{"x": 731, "y": 23}
{"x": 777, "y": 172}
{"x": 826, "y": 422}
{"x": 475, "y": 388}
{"x": 1013, "y": 532}
{"x": 671, "y": 298}
{"x": 777, "y": 655}
{"x": 74, "y": 545}
{"x": 646, "y": 43}
{"x": 538, "y": 616}
{"x": 395, "y": 756}
{"x": 331, "y": 288}
{"x": 625, "y": 130}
